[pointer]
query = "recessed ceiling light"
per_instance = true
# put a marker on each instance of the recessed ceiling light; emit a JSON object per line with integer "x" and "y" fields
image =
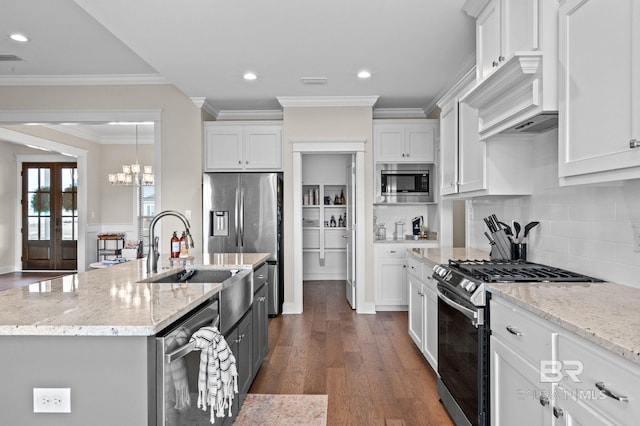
{"x": 250, "y": 76}
{"x": 364, "y": 74}
{"x": 19, "y": 37}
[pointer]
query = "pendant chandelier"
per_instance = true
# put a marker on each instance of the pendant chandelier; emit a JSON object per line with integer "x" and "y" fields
{"x": 133, "y": 175}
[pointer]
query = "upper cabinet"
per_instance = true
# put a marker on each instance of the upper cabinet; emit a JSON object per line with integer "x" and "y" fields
{"x": 599, "y": 102}
{"x": 404, "y": 141}
{"x": 236, "y": 146}
{"x": 516, "y": 65}
{"x": 471, "y": 167}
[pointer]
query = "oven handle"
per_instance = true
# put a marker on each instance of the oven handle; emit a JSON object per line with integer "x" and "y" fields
{"x": 475, "y": 316}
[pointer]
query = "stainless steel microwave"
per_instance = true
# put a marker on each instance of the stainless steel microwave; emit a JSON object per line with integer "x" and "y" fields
{"x": 404, "y": 183}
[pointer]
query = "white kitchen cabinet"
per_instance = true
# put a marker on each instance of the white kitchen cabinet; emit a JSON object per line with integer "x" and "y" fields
{"x": 519, "y": 342}
{"x": 391, "y": 277}
{"x": 599, "y": 91}
{"x": 248, "y": 146}
{"x": 603, "y": 383}
{"x": 404, "y": 141}
{"x": 471, "y": 167}
{"x": 502, "y": 28}
{"x": 423, "y": 308}
{"x": 516, "y": 63}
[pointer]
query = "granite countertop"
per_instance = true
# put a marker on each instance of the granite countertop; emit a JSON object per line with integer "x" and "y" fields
{"x": 606, "y": 313}
{"x": 442, "y": 255}
{"x": 111, "y": 301}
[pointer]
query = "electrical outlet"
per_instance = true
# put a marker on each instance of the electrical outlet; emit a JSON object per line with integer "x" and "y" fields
{"x": 636, "y": 238}
{"x": 187, "y": 214}
{"x": 51, "y": 400}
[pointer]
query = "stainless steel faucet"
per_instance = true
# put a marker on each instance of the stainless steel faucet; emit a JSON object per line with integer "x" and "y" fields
{"x": 152, "y": 257}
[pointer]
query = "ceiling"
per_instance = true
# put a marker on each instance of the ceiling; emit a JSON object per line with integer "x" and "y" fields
{"x": 414, "y": 49}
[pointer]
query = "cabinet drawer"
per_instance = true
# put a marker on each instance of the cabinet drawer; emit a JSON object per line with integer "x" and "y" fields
{"x": 527, "y": 334}
{"x": 390, "y": 250}
{"x": 414, "y": 267}
{"x": 618, "y": 375}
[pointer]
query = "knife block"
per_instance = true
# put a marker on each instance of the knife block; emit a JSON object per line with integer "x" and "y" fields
{"x": 502, "y": 247}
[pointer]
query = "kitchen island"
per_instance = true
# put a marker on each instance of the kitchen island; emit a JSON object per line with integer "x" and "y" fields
{"x": 92, "y": 332}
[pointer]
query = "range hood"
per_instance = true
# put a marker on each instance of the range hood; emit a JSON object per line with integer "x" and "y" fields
{"x": 519, "y": 97}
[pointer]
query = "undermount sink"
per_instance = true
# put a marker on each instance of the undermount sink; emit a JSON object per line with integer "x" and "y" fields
{"x": 193, "y": 276}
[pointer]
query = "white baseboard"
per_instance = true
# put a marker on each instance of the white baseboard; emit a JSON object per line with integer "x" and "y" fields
{"x": 399, "y": 308}
{"x": 368, "y": 308}
{"x": 7, "y": 269}
{"x": 290, "y": 308}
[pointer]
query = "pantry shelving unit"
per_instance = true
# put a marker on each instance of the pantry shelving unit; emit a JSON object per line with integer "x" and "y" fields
{"x": 319, "y": 236}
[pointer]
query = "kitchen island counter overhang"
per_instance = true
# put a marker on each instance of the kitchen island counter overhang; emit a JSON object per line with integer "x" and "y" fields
{"x": 112, "y": 301}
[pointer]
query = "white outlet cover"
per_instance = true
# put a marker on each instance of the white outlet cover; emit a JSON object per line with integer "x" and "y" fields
{"x": 51, "y": 400}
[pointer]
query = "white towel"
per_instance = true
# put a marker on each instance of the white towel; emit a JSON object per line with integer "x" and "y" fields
{"x": 218, "y": 377}
{"x": 178, "y": 371}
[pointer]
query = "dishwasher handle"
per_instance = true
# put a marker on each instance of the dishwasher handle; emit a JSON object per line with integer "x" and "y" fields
{"x": 185, "y": 349}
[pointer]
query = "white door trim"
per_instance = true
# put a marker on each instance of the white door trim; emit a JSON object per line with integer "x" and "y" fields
{"x": 299, "y": 148}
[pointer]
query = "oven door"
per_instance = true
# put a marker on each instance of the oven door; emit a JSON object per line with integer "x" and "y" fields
{"x": 461, "y": 358}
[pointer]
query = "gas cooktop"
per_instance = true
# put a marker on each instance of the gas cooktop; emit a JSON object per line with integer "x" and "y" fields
{"x": 494, "y": 271}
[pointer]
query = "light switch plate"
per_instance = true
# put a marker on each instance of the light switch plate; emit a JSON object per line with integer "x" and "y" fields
{"x": 51, "y": 400}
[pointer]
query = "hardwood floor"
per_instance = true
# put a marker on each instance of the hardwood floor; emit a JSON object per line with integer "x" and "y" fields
{"x": 367, "y": 364}
{"x": 20, "y": 279}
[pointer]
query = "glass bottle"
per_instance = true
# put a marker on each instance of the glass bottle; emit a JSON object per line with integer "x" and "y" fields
{"x": 342, "y": 199}
{"x": 175, "y": 245}
{"x": 332, "y": 222}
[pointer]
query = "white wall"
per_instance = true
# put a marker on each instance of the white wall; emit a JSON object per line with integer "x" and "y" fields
{"x": 587, "y": 229}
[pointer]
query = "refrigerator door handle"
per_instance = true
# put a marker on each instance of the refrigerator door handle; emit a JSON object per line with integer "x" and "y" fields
{"x": 242, "y": 216}
{"x": 237, "y": 214}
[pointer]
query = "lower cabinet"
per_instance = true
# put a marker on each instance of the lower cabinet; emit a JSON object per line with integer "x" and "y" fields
{"x": 260, "y": 327}
{"x": 550, "y": 376}
{"x": 391, "y": 277}
{"x": 423, "y": 308}
{"x": 240, "y": 340}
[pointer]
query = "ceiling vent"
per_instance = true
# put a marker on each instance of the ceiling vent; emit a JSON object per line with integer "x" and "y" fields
{"x": 7, "y": 58}
{"x": 314, "y": 80}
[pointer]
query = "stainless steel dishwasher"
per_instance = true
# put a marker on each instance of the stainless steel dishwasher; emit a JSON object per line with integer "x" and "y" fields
{"x": 178, "y": 364}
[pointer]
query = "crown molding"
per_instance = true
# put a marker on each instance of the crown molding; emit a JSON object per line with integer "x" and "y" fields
{"x": 267, "y": 114}
{"x": 206, "y": 105}
{"x": 78, "y": 116}
{"x": 399, "y": 113}
{"x": 327, "y": 101}
{"x": 81, "y": 80}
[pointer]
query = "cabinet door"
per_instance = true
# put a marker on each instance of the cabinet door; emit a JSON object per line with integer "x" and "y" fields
{"x": 488, "y": 49}
{"x": 520, "y": 26}
{"x": 392, "y": 286}
{"x": 599, "y": 87}
{"x": 223, "y": 148}
{"x": 431, "y": 323}
{"x": 472, "y": 155}
{"x": 449, "y": 148}
{"x": 389, "y": 144}
{"x": 416, "y": 306}
{"x": 572, "y": 412}
{"x": 244, "y": 355}
{"x": 420, "y": 144}
{"x": 516, "y": 391}
{"x": 263, "y": 148}
{"x": 260, "y": 328}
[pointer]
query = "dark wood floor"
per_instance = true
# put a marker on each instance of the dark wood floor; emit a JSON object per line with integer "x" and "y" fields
{"x": 366, "y": 364}
{"x": 20, "y": 279}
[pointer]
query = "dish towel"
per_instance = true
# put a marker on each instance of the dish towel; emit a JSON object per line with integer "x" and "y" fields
{"x": 218, "y": 376}
{"x": 178, "y": 371}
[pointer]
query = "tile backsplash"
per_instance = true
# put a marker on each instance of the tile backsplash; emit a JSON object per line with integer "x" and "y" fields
{"x": 587, "y": 229}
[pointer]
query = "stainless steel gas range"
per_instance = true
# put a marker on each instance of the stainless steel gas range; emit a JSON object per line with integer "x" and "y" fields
{"x": 463, "y": 328}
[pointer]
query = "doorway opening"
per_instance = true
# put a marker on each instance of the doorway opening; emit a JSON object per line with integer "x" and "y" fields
{"x": 327, "y": 248}
{"x": 328, "y": 194}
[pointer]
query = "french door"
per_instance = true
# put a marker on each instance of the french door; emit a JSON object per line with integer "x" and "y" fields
{"x": 49, "y": 216}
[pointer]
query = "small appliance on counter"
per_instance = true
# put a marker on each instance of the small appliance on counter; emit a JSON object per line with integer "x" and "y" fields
{"x": 416, "y": 225}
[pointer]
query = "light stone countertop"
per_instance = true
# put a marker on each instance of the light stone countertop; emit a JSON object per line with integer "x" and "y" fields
{"x": 605, "y": 314}
{"x": 111, "y": 301}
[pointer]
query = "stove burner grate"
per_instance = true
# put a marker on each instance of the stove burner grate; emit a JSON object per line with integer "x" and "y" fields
{"x": 515, "y": 271}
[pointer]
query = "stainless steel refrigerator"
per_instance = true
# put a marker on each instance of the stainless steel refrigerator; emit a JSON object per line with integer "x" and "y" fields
{"x": 242, "y": 213}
